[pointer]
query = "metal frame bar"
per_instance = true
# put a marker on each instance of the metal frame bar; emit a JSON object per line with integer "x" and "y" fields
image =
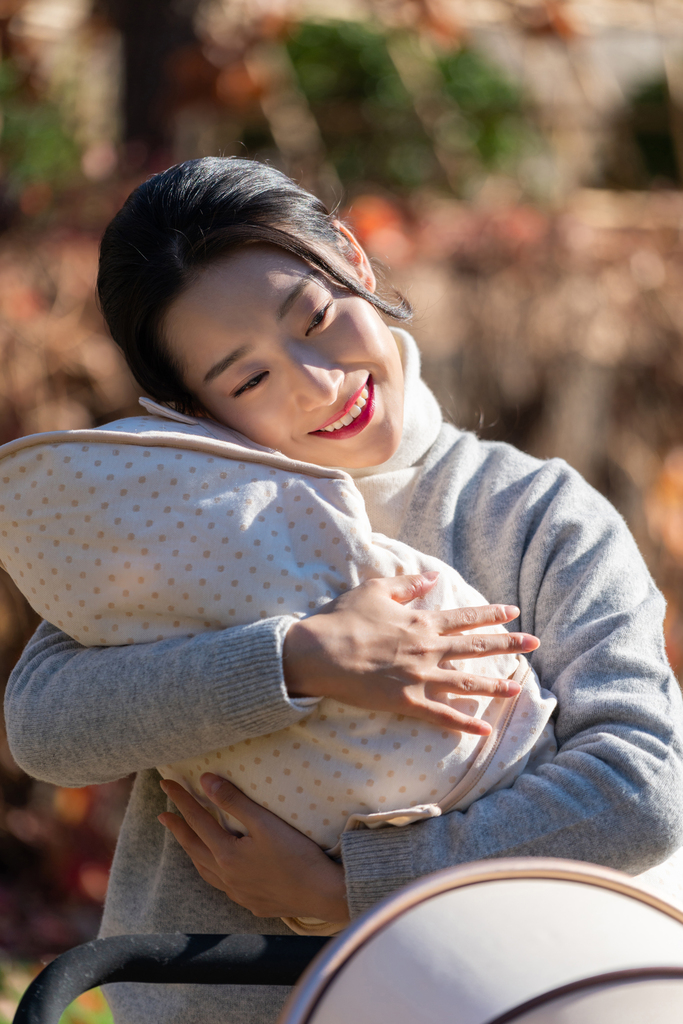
{"x": 174, "y": 959}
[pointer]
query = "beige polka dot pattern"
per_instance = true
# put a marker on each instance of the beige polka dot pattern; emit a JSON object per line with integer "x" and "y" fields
{"x": 145, "y": 530}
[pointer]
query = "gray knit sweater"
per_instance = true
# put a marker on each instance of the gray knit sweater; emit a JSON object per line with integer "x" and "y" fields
{"x": 522, "y": 532}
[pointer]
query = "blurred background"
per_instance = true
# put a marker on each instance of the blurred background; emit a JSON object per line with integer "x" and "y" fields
{"x": 515, "y": 166}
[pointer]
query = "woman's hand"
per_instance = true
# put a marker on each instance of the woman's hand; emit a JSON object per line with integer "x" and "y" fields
{"x": 275, "y": 871}
{"x": 368, "y": 650}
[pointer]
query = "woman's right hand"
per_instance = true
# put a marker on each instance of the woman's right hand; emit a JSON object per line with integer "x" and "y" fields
{"x": 369, "y": 650}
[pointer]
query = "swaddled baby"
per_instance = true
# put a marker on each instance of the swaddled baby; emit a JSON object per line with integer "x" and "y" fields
{"x": 148, "y": 528}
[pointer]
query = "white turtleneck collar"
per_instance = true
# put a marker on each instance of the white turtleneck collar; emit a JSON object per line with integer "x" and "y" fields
{"x": 421, "y": 414}
{"x": 387, "y": 489}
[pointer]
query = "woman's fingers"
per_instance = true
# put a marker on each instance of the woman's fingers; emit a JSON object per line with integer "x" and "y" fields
{"x": 188, "y": 839}
{"x": 406, "y": 588}
{"x": 455, "y": 620}
{"x": 483, "y": 645}
{"x": 197, "y": 817}
{"x": 198, "y": 852}
{"x": 193, "y": 846}
{"x": 233, "y": 801}
{"x": 463, "y": 684}
{"x": 420, "y": 699}
{"x": 444, "y": 717}
{"x": 447, "y": 718}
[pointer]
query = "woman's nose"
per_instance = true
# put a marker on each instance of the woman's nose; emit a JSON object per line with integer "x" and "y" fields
{"x": 317, "y": 386}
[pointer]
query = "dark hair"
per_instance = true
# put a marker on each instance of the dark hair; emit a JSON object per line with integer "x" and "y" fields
{"x": 186, "y": 218}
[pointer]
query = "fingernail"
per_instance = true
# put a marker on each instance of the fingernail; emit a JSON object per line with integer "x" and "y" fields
{"x": 513, "y": 688}
{"x": 431, "y": 574}
{"x": 211, "y": 783}
{"x": 164, "y": 786}
{"x": 511, "y": 610}
{"x": 161, "y": 822}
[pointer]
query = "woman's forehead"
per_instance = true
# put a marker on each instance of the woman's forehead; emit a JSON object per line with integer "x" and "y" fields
{"x": 255, "y": 285}
{"x": 256, "y": 267}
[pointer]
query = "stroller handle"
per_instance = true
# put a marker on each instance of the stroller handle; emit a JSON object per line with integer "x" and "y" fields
{"x": 173, "y": 958}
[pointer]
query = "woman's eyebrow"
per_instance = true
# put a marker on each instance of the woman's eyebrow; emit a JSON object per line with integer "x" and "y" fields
{"x": 293, "y": 296}
{"x": 224, "y": 363}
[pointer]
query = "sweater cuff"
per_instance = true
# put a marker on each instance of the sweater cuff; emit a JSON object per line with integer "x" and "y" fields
{"x": 250, "y": 682}
{"x": 377, "y": 862}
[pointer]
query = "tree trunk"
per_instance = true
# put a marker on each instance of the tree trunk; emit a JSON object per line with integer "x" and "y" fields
{"x": 152, "y": 31}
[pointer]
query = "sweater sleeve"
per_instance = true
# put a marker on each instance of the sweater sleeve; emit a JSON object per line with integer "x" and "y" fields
{"x": 79, "y": 716}
{"x": 538, "y": 536}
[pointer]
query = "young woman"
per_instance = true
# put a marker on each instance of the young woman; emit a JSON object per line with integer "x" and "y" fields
{"x": 283, "y": 300}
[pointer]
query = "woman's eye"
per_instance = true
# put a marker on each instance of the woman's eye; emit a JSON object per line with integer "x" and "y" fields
{"x": 250, "y": 384}
{"x": 318, "y": 318}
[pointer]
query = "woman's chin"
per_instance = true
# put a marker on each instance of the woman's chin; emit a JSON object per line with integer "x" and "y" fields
{"x": 344, "y": 456}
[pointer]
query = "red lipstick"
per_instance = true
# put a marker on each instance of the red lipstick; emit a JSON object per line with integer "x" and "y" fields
{"x": 358, "y": 424}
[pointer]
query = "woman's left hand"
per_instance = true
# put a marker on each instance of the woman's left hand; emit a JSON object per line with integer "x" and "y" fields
{"x": 275, "y": 871}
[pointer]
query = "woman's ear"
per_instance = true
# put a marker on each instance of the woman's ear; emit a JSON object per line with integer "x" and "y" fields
{"x": 357, "y": 257}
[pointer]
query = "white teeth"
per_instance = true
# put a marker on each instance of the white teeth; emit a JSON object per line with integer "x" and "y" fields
{"x": 351, "y": 415}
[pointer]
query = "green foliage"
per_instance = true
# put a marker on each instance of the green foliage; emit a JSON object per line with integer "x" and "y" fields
{"x": 655, "y": 92}
{"x": 369, "y": 120}
{"x": 346, "y": 60}
{"x": 90, "y": 1008}
{"x": 34, "y": 146}
{"x": 490, "y": 105}
{"x": 364, "y": 111}
{"x": 649, "y": 112}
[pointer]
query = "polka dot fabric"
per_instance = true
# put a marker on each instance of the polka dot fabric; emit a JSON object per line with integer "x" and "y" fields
{"x": 128, "y": 544}
{"x": 149, "y": 529}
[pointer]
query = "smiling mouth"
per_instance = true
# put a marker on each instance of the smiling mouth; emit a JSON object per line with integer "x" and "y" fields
{"x": 355, "y": 417}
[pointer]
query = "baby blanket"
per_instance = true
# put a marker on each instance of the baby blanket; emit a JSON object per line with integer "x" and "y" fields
{"x": 148, "y": 528}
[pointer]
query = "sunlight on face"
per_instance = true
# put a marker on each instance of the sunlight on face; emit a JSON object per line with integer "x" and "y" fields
{"x": 273, "y": 349}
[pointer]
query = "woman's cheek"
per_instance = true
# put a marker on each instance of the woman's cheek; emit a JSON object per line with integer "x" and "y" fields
{"x": 219, "y": 406}
{"x": 265, "y": 425}
{"x": 392, "y": 408}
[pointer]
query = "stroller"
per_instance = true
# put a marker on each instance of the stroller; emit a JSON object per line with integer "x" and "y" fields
{"x": 529, "y": 940}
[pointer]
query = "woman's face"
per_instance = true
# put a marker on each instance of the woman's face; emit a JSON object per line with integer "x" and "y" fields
{"x": 274, "y": 350}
